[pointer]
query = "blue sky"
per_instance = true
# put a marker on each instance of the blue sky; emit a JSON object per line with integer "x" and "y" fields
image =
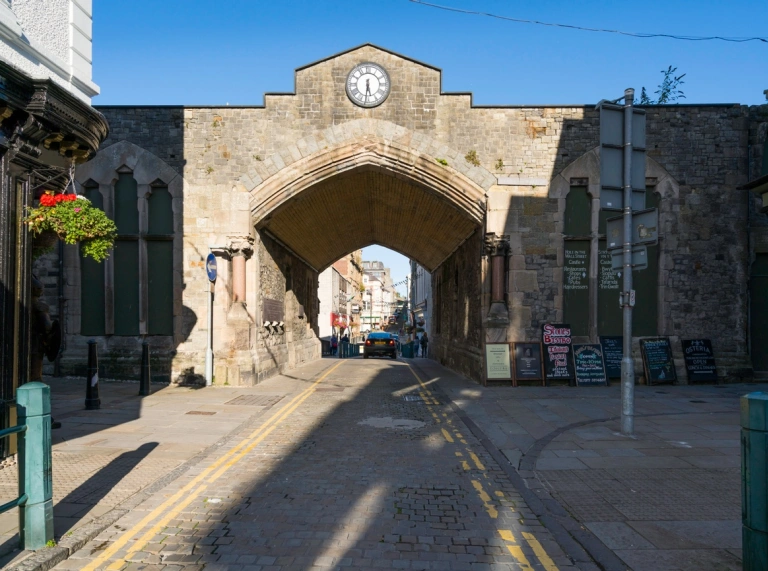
{"x": 202, "y": 52}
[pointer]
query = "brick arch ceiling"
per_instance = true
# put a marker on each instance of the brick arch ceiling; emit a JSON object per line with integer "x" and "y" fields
{"x": 369, "y": 206}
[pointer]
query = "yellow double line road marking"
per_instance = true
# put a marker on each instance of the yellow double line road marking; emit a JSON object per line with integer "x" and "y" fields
{"x": 197, "y": 485}
{"x": 512, "y": 546}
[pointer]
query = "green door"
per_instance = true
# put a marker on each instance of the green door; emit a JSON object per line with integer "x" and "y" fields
{"x": 759, "y": 313}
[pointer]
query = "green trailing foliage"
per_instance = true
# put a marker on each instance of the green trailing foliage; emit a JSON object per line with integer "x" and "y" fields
{"x": 74, "y": 220}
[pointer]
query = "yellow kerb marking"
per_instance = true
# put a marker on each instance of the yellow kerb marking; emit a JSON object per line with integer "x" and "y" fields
{"x": 486, "y": 499}
{"x": 515, "y": 550}
{"x": 224, "y": 462}
{"x": 446, "y": 435}
{"x": 465, "y": 465}
{"x": 459, "y": 454}
{"x": 500, "y": 494}
{"x": 538, "y": 550}
{"x": 476, "y": 460}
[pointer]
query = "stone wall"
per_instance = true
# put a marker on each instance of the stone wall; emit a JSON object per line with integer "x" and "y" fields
{"x": 456, "y": 328}
{"x": 286, "y": 279}
{"x": 525, "y": 161}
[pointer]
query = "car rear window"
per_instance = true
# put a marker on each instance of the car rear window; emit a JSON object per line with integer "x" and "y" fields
{"x": 381, "y": 335}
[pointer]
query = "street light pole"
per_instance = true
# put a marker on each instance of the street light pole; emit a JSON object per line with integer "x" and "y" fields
{"x": 627, "y": 364}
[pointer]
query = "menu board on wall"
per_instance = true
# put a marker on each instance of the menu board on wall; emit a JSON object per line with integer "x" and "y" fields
{"x": 498, "y": 367}
{"x": 609, "y": 315}
{"x": 528, "y": 362}
{"x": 657, "y": 360}
{"x": 589, "y": 366}
{"x": 613, "y": 352}
{"x": 576, "y": 285}
{"x": 558, "y": 361}
{"x": 699, "y": 360}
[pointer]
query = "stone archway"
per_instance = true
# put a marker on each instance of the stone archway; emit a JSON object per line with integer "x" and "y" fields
{"x": 361, "y": 183}
{"x": 367, "y": 177}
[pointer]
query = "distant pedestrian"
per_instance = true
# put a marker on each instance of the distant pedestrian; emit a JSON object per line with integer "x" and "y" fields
{"x": 345, "y": 339}
{"x": 334, "y": 343}
{"x": 424, "y": 344}
{"x": 415, "y": 345}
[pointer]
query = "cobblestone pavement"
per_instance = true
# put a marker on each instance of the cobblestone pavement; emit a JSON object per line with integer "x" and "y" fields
{"x": 667, "y": 499}
{"x": 367, "y": 467}
{"x": 103, "y": 459}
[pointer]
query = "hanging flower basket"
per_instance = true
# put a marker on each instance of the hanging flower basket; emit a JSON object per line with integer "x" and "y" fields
{"x": 71, "y": 218}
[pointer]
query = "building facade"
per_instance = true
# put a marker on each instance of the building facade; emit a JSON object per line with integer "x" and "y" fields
{"x": 47, "y": 126}
{"x": 459, "y": 188}
{"x": 421, "y": 297}
{"x": 334, "y": 313}
{"x": 351, "y": 269}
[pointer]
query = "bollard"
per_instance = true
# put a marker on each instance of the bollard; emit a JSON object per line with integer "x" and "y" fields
{"x": 92, "y": 400}
{"x": 35, "y": 467}
{"x": 145, "y": 388}
{"x": 754, "y": 474}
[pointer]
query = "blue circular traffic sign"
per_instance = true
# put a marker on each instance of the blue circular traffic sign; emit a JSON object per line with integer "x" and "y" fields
{"x": 210, "y": 267}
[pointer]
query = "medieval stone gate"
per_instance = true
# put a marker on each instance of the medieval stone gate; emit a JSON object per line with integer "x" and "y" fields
{"x": 280, "y": 191}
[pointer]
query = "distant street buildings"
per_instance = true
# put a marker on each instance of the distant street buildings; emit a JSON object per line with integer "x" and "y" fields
{"x": 339, "y": 293}
{"x": 379, "y": 296}
{"x": 421, "y": 297}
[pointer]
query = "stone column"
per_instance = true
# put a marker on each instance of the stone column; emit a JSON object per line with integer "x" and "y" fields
{"x": 496, "y": 248}
{"x": 235, "y": 364}
{"x": 240, "y": 250}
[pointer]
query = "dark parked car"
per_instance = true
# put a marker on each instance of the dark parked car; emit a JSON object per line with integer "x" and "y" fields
{"x": 380, "y": 343}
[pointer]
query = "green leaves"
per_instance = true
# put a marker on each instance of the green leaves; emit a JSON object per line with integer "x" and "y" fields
{"x": 669, "y": 90}
{"x": 76, "y": 222}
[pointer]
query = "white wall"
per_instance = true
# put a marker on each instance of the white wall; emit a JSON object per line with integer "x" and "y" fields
{"x": 50, "y": 39}
{"x": 325, "y": 295}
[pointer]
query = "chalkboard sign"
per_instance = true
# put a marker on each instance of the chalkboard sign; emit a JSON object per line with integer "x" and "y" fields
{"x": 558, "y": 362}
{"x": 528, "y": 362}
{"x": 613, "y": 351}
{"x": 657, "y": 361}
{"x": 589, "y": 366}
{"x": 699, "y": 360}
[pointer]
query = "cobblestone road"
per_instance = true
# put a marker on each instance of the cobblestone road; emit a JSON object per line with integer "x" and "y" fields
{"x": 365, "y": 468}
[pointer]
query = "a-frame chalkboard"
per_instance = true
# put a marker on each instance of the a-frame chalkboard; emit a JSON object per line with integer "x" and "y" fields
{"x": 658, "y": 365}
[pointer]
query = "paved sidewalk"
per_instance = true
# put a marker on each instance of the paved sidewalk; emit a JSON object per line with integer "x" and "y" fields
{"x": 107, "y": 458}
{"x": 669, "y": 498}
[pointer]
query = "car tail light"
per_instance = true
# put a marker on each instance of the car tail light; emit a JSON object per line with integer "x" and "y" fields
{"x": 391, "y": 341}
{"x": 367, "y": 342}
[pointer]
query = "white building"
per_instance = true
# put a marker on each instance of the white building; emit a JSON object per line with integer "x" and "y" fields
{"x": 378, "y": 298}
{"x": 421, "y": 296}
{"x": 52, "y": 41}
{"x": 334, "y": 293}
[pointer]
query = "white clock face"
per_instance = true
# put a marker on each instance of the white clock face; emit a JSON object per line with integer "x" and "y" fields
{"x": 368, "y": 85}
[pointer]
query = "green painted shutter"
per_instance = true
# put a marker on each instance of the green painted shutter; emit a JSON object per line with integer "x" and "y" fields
{"x": 609, "y": 318}
{"x": 160, "y": 212}
{"x": 578, "y": 213}
{"x": 576, "y": 286}
{"x": 92, "y": 309}
{"x": 126, "y": 264}
{"x": 126, "y": 205}
{"x": 160, "y": 263}
{"x": 645, "y": 284}
{"x": 160, "y": 287}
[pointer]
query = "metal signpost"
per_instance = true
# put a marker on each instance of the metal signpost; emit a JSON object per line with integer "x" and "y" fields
{"x": 622, "y": 188}
{"x": 210, "y": 269}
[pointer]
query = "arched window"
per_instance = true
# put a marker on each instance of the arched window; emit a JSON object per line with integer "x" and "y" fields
{"x": 581, "y": 307}
{"x": 139, "y": 273}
